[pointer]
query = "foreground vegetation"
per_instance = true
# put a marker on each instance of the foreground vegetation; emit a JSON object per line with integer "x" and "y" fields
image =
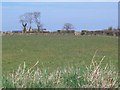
{"x": 93, "y": 76}
{"x": 62, "y": 61}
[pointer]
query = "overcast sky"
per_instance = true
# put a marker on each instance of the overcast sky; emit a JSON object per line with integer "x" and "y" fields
{"x": 87, "y": 15}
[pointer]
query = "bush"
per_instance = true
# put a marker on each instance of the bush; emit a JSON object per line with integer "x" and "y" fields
{"x": 65, "y": 31}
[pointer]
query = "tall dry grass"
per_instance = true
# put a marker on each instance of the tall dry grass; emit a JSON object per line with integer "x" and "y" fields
{"x": 94, "y": 76}
{"x": 101, "y": 77}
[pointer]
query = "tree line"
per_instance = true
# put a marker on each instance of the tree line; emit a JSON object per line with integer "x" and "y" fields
{"x": 35, "y": 17}
{"x": 29, "y": 18}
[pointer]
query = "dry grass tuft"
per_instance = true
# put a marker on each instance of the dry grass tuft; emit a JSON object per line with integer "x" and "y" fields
{"x": 95, "y": 76}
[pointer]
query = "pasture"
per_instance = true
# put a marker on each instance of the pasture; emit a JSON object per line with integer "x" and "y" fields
{"x": 57, "y": 51}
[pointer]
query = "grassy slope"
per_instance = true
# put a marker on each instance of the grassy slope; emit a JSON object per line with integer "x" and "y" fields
{"x": 56, "y": 51}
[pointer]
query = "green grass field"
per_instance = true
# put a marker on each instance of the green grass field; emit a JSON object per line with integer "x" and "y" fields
{"x": 57, "y": 51}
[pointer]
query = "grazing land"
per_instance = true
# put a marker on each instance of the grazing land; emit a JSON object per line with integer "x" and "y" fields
{"x": 57, "y": 51}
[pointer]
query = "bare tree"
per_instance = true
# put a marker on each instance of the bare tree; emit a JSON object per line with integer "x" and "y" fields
{"x": 37, "y": 20}
{"x": 23, "y": 20}
{"x": 40, "y": 26}
{"x": 29, "y": 19}
{"x": 68, "y": 26}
